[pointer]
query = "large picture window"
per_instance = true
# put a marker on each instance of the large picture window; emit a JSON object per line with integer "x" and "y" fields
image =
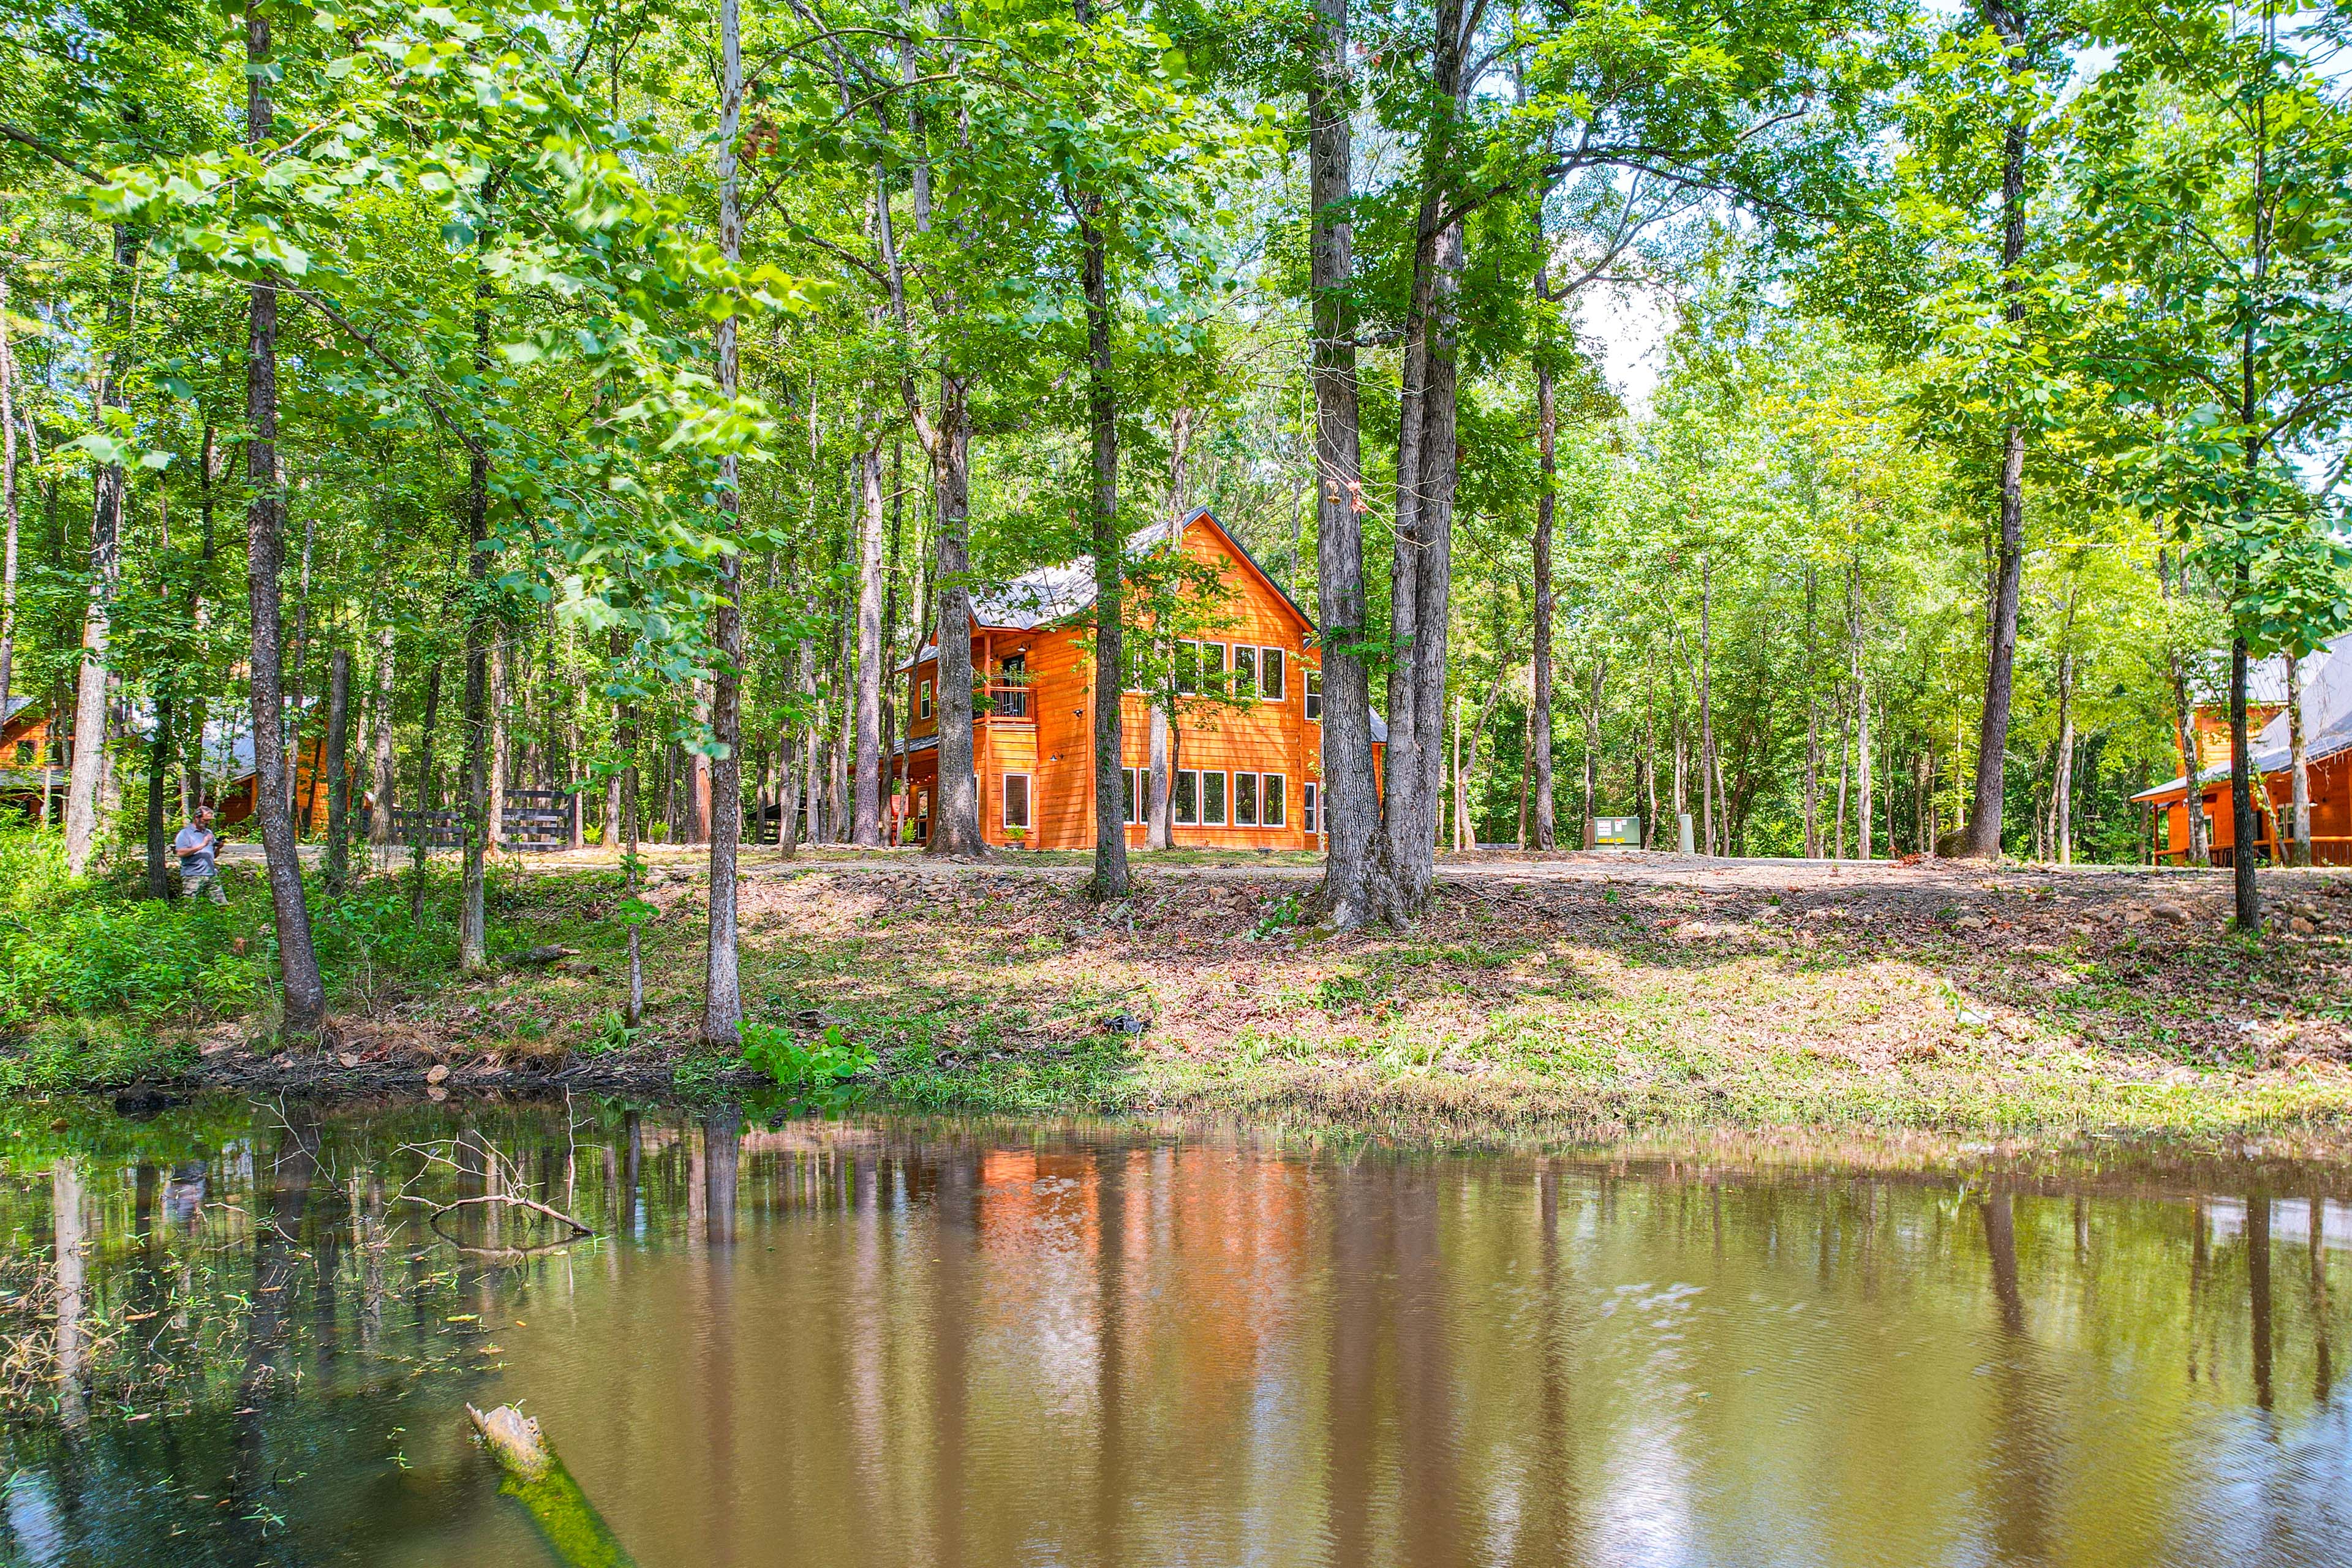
{"x": 1187, "y": 809}
{"x": 1015, "y": 791}
{"x": 1244, "y": 800}
{"x": 1272, "y": 810}
{"x": 1315, "y": 694}
{"x": 1269, "y": 674}
{"x": 1213, "y": 799}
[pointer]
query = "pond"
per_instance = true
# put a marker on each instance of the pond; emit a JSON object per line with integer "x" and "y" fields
{"x": 248, "y": 1333}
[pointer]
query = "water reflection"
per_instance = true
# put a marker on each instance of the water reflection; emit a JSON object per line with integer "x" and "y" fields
{"x": 903, "y": 1343}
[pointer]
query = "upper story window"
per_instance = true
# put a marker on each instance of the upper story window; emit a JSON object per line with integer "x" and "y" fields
{"x": 923, "y": 699}
{"x": 1270, "y": 672}
{"x": 1315, "y": 694}
{"x": 1245, "y": 672}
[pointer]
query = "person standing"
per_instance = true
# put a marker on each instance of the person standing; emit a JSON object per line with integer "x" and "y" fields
{"x": 194, "y": 846}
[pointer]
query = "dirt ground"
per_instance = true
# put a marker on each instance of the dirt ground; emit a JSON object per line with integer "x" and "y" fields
{"x": 1597, "y": 991}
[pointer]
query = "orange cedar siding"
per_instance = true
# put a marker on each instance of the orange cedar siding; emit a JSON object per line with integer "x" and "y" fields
{"x": 2331, "y": 813}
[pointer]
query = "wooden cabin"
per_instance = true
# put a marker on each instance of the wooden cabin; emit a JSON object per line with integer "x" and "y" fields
{"x": 2327, "y": 749}
{"x": 1247, "y": 738}
{"x": 32, "y": 753}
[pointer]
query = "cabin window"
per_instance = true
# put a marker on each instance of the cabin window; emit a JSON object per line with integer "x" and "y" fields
{"x": 1269, "y": 674}
{"x": 1015, "y": 791}
{"x": 923, "y": 700}
{"x": 1130, "y": 784}
{"x": 1271, "y": 810}
{"x": 1307, "y": 803}
{"x": 1315, "y": 694}
{"x": 1187, "y": 798}
{"x": 1244, "y": 800}
{"x": 1213, "y": 799}
{"x": 923, "y": 816}
{"x": 23, "y": 753}
{"x": 1188, "y": 666}
{"x": 1245, "y": 672}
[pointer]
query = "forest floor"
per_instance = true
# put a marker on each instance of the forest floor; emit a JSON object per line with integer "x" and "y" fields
{"x": 1580, "y": 994}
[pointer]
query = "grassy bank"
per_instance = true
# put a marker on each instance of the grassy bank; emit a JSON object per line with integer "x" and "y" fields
{"x": 1578, "y": 995}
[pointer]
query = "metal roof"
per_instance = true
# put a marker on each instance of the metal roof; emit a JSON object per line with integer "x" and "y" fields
{"x": 2326, "y": 676}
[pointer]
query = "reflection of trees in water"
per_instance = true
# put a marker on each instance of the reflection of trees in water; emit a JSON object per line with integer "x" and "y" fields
{"x": 1524, "y": 1361}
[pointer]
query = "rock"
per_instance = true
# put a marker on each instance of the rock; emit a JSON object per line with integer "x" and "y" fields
{"x": 540, "y": 956}
{"x": 2300, "y": 926}
{"x": 347, "y": 1059}
{"x": 1971, "y": 923}
{"x": 2171, "y": 914}
{"x": 437, "y": 1073}
{"x": 1971, "y": 1019}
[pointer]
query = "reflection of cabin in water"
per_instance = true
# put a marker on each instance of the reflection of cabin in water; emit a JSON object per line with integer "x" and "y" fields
{"x": 1248, "y": 746}
{"x": 2326, "y": 679}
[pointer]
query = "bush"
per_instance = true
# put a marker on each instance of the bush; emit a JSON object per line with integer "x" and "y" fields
{"x": 834, "y": 1058}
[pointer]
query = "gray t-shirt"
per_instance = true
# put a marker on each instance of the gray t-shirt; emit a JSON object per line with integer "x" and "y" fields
{"x": 201, "y": 840}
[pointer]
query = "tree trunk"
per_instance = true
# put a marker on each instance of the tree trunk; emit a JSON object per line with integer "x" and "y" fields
{"x": 625, "y": 734}
{"x": 339, "y": 780}
{"x": 722, "y": 1000}
{"x": 2248, "y": 913}
{"x": 2298, "y": 763}
{"x": 158, "y": 768}
{"x": 305, "y": 994}
{"x": 892, "y": 729}
{"x": 865, "y": 793}
{"x": 1159, "y": 831}
{"x": 1110, "y": 600}
{"x": 1862, "y": 728}
{"x": 955, "y": 813}
{"x": 1982, "y": 839}
{"x": 1706, "y": 709}
{"x": 86, "y": 778}
{"x": 1539, "y": 714}
{"x": 1350, "y": 797}
{"x": 9, "y": 503}
{"x": 418, "y": 830}
{"x": 501, "y": 737}
{"x": 190, "y": 728}
{"x": 473, "y": 930}
{"x": 386, "y": 761}
{"x": 297, "y": 664}
{"x": 1593, "y": 748}
{"x": 1812, "y": 726}
{"x": 2062, "y": 780}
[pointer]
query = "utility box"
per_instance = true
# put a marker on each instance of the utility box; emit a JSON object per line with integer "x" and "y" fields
{"x": 1614, "y": 833}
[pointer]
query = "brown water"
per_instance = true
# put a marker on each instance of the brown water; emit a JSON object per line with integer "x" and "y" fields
{"x": 918, "y": 1342}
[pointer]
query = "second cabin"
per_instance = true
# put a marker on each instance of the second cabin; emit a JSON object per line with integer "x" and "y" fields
{"x": 1246, "y": 739}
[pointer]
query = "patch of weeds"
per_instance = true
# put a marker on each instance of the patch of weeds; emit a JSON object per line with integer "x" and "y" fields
{"x": 1338, "y": 993}
{"x": 832, "y": 1058}
{"x": 1280, "y": 916}
{"x": 608, "y": 1033}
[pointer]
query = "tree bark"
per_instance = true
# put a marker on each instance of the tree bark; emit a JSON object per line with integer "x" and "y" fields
{"x": 87, "y": 768}
{"x": 339, "y": 778}
{"x": 1159, "y": 832}
{"x": 1110, "y": 551}
{"x": 418, "y": 830}
{"x": 473, "y": 930}
{"x": 386, "y": 759}
{"x": 1350, "y": 796}
{"x": 1539, "y": 714}
{"x": 955, "y": 813}
{"x": 722, "y": 1001}
{"x": 1812, "y": 726}
{"x": 7, "y": 503}
{"x": 159, "y": 767}
{"x": 2248, "y": 913}
{"x": 1982, "y": 838}
{"x": 1706, "y": 711}
{"x": 2298, "y": 763}
{"x": 501, "y": 737}
{"x": 305, "y": 994}
{"x": 866, "y": 790}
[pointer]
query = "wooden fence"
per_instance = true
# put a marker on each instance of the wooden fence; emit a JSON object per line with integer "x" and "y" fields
{"x": 534, "y": 819}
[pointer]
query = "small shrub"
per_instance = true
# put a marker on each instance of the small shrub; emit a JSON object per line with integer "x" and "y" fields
{"x": 833, "y": 1058}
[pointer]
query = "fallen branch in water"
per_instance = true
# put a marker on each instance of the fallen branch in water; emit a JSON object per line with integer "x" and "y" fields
{"x": 505, "y": 1179}
{"x": 537, "y": 1478}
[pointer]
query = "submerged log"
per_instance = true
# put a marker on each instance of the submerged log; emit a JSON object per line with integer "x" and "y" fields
{"x": 537, "y": 1478}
